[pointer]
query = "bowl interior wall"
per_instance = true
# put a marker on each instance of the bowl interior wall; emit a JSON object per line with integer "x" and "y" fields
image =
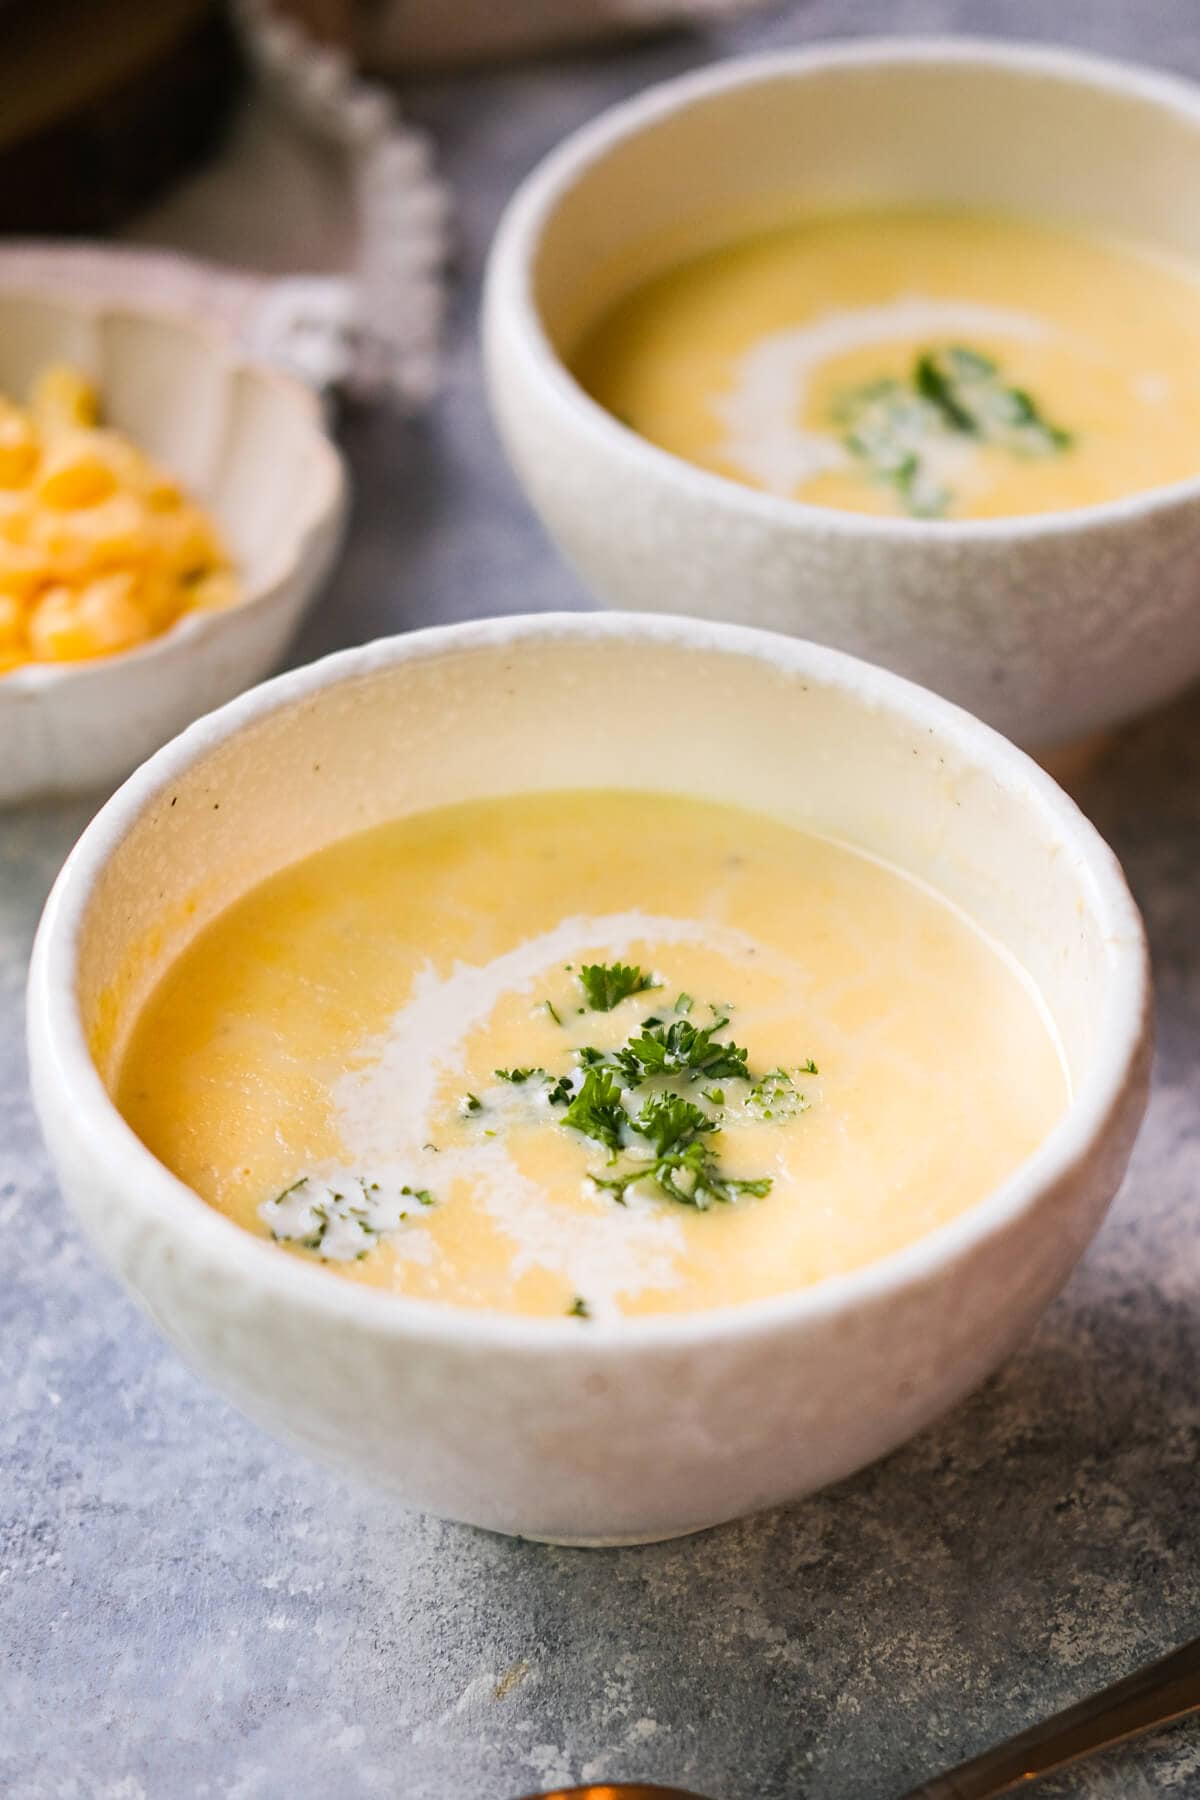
{"x": 554, "y": 712}
{"x": 943, "y": 131}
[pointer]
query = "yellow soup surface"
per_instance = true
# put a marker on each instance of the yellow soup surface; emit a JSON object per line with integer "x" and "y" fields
{"x": 932, "y": 364}
{"x": 736, "y": 1058}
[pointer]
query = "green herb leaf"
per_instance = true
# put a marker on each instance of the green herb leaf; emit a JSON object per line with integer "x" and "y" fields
{"x": 579, "y": 1308}
{"x": 896, "y": 427}
{"x": 684, "y": 1004}
{"x": 671, "y": 1122}
{"x": 691, "y": 1176}
{"x": 596, "y": 1110}
{"x": 517, "y": 1076}
{"x": 605, "y": 985}
{"x": 969, "y": 391}
{"x": 681, "y": 1049}
{"x": 891, "y": 429}
{"x": 470, "y": 1103}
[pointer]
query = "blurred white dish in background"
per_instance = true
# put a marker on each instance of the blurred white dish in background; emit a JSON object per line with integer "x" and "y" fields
{"x": 1052, "y": 626}
{"x": 249, "y": 443}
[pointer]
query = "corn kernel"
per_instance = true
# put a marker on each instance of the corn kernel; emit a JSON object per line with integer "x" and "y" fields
{"x": 160, "y": 597}
{"x": 62, "y": 398}
{"x": 13, "y": 625}
{"x": 18, "y": 448}
{"x": 190, "y": 545}
{"x": 17, "y": 512}
{"x": 89, "y": 540}
{"x": 23, "y": 567}
{"x": 68, "y": 625}
{"x": 134, "y": 470}
{"x": 75, "y": 473}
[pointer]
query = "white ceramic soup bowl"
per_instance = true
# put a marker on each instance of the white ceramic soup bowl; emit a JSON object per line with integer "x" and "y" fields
{"x": 610, "y": 1432}
{"x": 1051, "y": 627}
{"x": 249, "y": 443}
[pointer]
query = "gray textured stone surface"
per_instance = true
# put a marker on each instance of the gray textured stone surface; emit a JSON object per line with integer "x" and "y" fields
{"x": 188, "y": 1610}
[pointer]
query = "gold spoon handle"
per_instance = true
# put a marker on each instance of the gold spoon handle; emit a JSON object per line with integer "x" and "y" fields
{"x": 1155, "y": 1695}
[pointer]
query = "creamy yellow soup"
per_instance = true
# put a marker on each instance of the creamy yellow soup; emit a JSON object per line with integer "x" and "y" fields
{"x": 930, "y": 364}
{"x": 593, "y": 1054}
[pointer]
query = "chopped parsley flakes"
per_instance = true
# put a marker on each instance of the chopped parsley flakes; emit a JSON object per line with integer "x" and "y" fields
{"x": 776, "y": 1097}
{"x": 341, "y": 1224}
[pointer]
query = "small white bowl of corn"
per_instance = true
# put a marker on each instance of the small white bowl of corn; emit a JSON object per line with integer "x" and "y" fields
{"x": 167, "y": 511}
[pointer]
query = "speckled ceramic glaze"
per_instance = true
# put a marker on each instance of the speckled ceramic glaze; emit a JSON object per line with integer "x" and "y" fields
{"x": 619, "y": 1432}
{"x": 1051, "y": 627}
{"x": 248, "y": 442}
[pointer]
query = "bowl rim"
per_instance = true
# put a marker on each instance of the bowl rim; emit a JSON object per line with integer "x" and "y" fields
{"x": 57, "y": 1037}
{"x": 509, "y": 288}
{"x": 192, "y": 629}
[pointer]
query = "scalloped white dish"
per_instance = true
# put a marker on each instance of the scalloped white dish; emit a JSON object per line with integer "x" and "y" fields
{"x": 249, "y": 443}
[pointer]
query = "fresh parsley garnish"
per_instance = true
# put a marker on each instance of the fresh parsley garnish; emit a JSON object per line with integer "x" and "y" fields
{"x": 579, "y": 1308}
{"x": 681, "y": 1049}
{"x": 891, "y": 429}
{"x": 968, "y": 389}
{"x": 692, "y": 1177}
{"x": 669, "y": 1141}
{"x": 897, "y": 427}
{"x": 605, "y": 985}
{"x": 671, "y": 1122}
{"x": 597, "y": 1112}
